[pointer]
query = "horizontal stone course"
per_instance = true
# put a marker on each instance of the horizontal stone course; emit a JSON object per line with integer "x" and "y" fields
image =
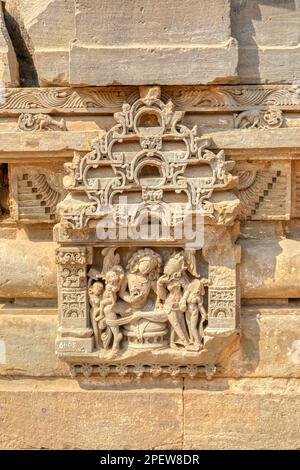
{"x": 269, "y": 345}
{"x": 223, "y": 414}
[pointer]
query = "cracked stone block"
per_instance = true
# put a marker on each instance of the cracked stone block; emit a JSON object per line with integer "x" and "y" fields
{"x": 9, "y": 69}
{"x": 46, "y": 28}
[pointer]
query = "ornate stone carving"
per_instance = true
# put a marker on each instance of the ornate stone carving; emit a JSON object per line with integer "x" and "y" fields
{"x": 135, "y": 304}
{"x": 39, "y": 122}
{"x": 66, "y": 99}
{"x": 96, "y": 99}
{"x": 35, "y": 193}
{"x": 270, "y": 118}
{"x": 141, "y": 369}
{"x": 262, "y": 190}
{"x": 167, "y": 152}
{"x": 235, "y": 97}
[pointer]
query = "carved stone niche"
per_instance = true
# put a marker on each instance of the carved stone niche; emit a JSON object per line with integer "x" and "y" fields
{"x": 35, "y": 191}
{"x": 133, "y": 300}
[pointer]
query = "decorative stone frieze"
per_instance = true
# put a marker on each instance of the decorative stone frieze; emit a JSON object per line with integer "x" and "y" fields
{"x": 91, "y": 99}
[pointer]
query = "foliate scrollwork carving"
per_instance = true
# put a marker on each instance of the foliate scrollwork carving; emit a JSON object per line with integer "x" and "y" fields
{"x": 95, "y": 99}
{"x": 235, "y": 97}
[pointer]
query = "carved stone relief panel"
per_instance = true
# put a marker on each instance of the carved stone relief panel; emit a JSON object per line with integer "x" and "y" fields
{"x": 35, "y": 191}
{"x": 156, "y": 301}
{"x": 264, "y": 190}
{"x": 31, "y": 122}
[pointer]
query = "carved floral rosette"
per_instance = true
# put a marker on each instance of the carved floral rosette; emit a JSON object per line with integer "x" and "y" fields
{"x": 157, "y": 301}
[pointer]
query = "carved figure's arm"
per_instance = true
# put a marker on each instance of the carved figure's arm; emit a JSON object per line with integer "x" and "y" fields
{"x": 123, "y": 294}
{"x": 161, "y": 290}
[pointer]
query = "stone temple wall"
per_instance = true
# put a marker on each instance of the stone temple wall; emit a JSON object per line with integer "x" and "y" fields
{"x": 127, "y": 344}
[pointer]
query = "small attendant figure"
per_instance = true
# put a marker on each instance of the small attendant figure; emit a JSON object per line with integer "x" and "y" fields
{"x": 95, "y": 295}
{"x": 192, "y": 304}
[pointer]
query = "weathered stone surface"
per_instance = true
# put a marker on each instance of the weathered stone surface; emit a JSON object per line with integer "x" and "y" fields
{"x": 9, "y": 70}
{"x": 48, "y": 29}
{"x": 165, "y": 45}
{"x": 268, "y": 38}
{"x": 128, "y": 313}
{"x": 30, "y": 269}
{"x": 17, "y": 333}
{"x": 268, "y": 343}
{"x": 269, "y": 267}
{"x": 243, "y": 414}
{"x": 65, "y": 143}
{"x": 165, "y": 42}
{"x": 101, "y": 415}
{"x": 122, "y": 415}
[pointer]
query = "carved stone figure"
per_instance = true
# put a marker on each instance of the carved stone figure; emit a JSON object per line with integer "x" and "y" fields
{"x": 144, "y": 307}
{"x": 195, "y": 313}
{"x": 38, "y": 122}
{"x": 173, "y": 287}
{"x": 142, "y": 272}
{"x": 138, "y": 292}
{"x": 269, "y": 118}
{"x": 95, "y": 295}
{"x": 107, "y": 314}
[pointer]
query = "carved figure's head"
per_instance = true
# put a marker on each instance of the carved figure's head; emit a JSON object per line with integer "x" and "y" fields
{"x": 114, "y": 277}
{"x": 96, "y": 288}
{"x": 147, "y": 262}
{"x": 175, "y": 266}
{"x": 195, "y": 287}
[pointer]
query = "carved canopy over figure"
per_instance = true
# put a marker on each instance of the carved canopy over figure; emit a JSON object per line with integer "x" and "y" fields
{"x": 152, "y": 124}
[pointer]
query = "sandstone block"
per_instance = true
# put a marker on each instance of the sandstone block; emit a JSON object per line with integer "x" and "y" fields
{"x": 95, "y": 415}
{"x": 243, "y": 414}
{"x": 269, "y": 267}
{"x": 165, "y": 45}
{"x": 29, "y": 341}
{"x": 47, "y": 27}
{"x": 266, "y": 54}
{"x": 147, "y": 415}
{"x": 269, "y": 344}
{"x": 30, "y": 269}
{"x": 9, "y": 69}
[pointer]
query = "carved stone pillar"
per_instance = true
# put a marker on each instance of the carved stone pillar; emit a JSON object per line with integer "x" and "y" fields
{"x": 75, "y": 332}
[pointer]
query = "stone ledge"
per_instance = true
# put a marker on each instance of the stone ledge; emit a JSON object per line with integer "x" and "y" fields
{"x": 60, "y": 144}
{"x": 161, "y": 65}
{"x": 268, "y": 346}
{"x": 49, "y": 141}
